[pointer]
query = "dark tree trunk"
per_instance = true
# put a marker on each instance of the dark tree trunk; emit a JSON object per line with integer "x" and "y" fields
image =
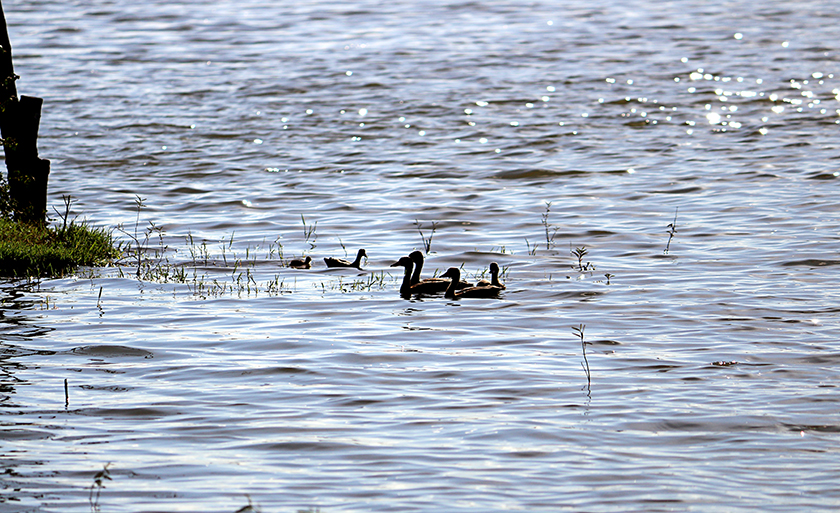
{"x": 19, "y": 122}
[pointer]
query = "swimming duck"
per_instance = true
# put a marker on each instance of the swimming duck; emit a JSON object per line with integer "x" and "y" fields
{"x": 455, "y": 274}
{"x": 306, "y": 263}
{"x": 340, "y": 262}
{"x": 405, "y": 288}
{"x": 429, "y": 285}
{"x": 494, "y": 278}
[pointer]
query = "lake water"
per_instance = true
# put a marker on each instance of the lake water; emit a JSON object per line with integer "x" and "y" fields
{"x": 256, "y": 132}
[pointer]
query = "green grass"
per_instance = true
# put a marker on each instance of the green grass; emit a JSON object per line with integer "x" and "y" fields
{"x": 30, "y": 250}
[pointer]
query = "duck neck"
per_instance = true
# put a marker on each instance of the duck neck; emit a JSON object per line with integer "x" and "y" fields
{"x": 415, "y": 278}
{"x": 405, "y": 289}
{"x": 453, "y": 285}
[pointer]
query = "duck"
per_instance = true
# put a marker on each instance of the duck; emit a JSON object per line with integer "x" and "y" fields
{"x": 429, "y": 285}
{"x": 306, "y": 263}
{"x": 340, "y": 262}
{"x": 494, "y": 278}
{"x": 405, "y": 288}
{"x": 454, "y": 274}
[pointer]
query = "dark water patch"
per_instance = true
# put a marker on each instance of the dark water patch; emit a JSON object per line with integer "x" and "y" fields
{"x": 284, "y": 371}
{"x": 709, "y": 428}
{"x": 818, "y": 428}
{"x": 12, "y": 432}
{"x": 684, "y": 190}
{"x": 354, "y": 402}
{"x": 811, "y": 262}
{"x": 304, "y": 447}
{"x": 95, "y": 369}
{"x": 604, "y": 342}
{"x": 599, "y": 233}
{"x": 106, "y": 388}
{"x": 816, "y": 359}
{"x": 11, "y": 351}
{"x": 187, "y": 190}
{"x": 135, "y": 413}
{"x": 534, "y": 174}
{"x": 655, "y": 367}
{"x": 823, "y": 176}
{"x": 578, "y": 294}
{"x": 112, "y": 351}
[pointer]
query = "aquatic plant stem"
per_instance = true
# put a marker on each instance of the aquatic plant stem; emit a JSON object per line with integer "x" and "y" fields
{"x": 427, "y": 243}
{"x": 549, "y": 236}
{"x": 672, "y": 230}
{"x": 578, "y": 331}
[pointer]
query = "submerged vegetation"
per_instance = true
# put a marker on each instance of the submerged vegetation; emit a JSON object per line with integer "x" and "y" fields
{"x": 216, "y": 268}
{"x": 206, "y": 268}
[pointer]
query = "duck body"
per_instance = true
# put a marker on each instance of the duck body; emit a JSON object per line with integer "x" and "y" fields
{"x": 306, "y": 263}
{"x": 484, "y": 291}
{"x": 429, "y": 285}
{"x": 494, "y": 278}
{"x": 435, "y": 286}
{"x": 340, "y": 262}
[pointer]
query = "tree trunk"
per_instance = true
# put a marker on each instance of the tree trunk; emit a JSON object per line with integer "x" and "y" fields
{"x": 19, "y": 121}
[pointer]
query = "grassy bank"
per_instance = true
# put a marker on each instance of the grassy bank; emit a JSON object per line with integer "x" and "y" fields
{"x": 38, "y": 250}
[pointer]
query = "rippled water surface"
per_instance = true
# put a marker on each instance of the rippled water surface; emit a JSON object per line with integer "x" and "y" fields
{"x": 257, "y": 132}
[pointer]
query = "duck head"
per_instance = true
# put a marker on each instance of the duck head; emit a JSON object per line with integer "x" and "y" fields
{"x": 453, "y": 273}
{"x": 403, "y": 262}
